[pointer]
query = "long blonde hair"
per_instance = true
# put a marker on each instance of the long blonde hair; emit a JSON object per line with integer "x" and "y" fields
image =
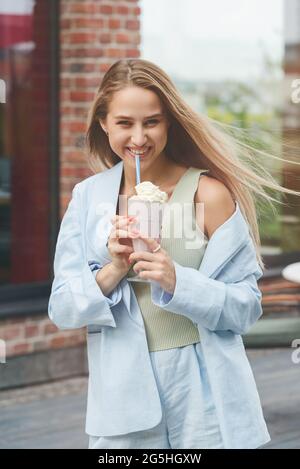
{"x": 193, "y": 140}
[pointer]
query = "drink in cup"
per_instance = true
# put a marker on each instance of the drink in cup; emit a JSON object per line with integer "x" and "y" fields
{"x": 147, "y": 208}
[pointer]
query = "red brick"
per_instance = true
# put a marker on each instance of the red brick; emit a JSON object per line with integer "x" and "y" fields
{"x": 74, "y": 157}
{"x": 65, "y": 82}
{"x": 123, "y": 38}
{"x": 73, "y": 171}
{"x": 81, "y": 96}
{"x": 133, "y": 53}
{"x": 104, "y": 67}
{"x": 75, "y": 126}
{"x": 50, "y": 328}
{"x": 122, "y": 10}
{"x": 114, "y": 24}
{"x": 11, "y": 332}
{"x": 82, "y": 7}
{"x": 66, "y": 140}
{"x": 136, "y": 11}
{"x": 65, "y": 23}
{"x": 83, "y": 37}
{"x": 85, "y": 52}
{"x": 58, "y": 342}
{"x": 93, "y": 23}
{"x": 133, "y": 25}
{"x": 31, "y": 330}
{"x": 64, "y": 95}
{"x": 105, "y": 38}
{"x": 87, "y": 81}
{"x": 112, "y": 52}
{"x": 20, "y": 348}
{"x": 76, "y": 340}
{"x": 106, "y": 9}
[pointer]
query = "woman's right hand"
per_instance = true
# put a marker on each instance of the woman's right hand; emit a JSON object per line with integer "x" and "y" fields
{"x": 120, "y": 241}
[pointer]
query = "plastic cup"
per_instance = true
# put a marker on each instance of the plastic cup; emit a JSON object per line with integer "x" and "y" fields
{"x": 148, "y": 215}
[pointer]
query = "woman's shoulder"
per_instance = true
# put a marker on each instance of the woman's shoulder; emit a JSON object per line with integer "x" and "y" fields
{"x": 88, "y": 182}
{"x": 218, "y": 202}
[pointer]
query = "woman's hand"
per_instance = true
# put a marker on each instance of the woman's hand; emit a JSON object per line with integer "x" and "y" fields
{"x": 120, "y": 241}
{"x": 157, "y": 266}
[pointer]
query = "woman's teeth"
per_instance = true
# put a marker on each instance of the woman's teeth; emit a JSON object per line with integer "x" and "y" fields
{"x": 135, "y": 153}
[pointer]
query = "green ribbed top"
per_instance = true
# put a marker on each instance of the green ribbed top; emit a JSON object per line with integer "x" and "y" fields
{"x": 186, "y": 245}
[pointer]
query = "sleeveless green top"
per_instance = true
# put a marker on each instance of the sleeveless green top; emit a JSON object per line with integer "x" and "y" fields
{"x": 165, "y": 329}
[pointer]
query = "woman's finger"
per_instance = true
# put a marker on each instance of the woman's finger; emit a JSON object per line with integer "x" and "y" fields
{"x": 122, "y": 248}
{"x": 116, "y": 234}
{"x": 144, "y": 265}
{"x": 122, "y": 221}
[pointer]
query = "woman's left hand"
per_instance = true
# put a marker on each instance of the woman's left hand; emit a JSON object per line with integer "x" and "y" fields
{"x": 157, "y": 266}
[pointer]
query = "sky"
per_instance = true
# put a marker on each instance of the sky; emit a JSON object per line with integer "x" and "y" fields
{"x": 212, "y": 40}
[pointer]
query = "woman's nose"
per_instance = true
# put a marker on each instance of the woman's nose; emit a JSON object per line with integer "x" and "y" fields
{"x": 138, "y": 138}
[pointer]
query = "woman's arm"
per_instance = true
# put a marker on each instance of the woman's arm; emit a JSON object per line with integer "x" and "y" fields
{"x": 217, "y": 201}
{"x": 109, "y": 277}
{"x": 215, "y": 304}
{"x": 76, "y": 299}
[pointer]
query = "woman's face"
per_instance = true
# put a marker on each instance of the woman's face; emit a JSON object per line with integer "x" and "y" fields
{"x": 135, "y": 121}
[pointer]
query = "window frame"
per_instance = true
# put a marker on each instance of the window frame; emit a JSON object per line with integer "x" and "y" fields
{"x": 32, "y": 298}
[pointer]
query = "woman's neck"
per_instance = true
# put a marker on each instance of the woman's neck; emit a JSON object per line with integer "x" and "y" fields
{"x": 161, "y": 173}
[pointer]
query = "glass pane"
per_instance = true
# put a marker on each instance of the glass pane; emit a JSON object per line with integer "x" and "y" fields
{"x": 24, "y": 141}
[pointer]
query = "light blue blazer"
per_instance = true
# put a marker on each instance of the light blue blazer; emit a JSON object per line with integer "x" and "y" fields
{"x": 221, "y": 298}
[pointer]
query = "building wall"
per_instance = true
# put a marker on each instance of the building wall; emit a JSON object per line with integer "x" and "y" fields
{"x": 291, "y": 125}
{"x": 93, "y": 35}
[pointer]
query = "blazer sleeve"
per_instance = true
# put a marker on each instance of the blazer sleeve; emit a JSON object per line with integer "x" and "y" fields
{"x": 214, "y": 304}
{"x": 76, "y": 299}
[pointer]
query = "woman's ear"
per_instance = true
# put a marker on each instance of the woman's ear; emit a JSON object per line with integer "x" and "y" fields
{"x": 102, "y": 123}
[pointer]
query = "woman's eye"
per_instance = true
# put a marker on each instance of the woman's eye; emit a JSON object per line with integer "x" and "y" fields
{"x": 152, "y": 121}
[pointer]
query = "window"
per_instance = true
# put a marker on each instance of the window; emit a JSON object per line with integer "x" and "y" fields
{"x": 238, "y": 61}
{"x": 28, "y": 143}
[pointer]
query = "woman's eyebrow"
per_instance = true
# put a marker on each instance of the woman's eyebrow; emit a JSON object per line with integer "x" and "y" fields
{"x": 149, "y": 117}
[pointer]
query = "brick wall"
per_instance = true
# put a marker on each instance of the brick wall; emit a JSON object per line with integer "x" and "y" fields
{"x": 36, "y": 334}
{"x": 93, "y": 35}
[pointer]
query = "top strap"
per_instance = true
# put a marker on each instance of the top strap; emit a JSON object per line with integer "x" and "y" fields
{"x": 187, "y": 185}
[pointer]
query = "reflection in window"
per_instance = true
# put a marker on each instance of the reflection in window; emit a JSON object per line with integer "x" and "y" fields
{"x": 24, "y": 142}
{"x": 237, "y": 63}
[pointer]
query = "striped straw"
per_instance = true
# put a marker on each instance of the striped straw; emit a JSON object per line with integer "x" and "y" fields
{"x": 137, "y": 169}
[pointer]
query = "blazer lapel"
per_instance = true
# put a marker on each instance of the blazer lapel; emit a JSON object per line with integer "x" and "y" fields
{"x": 105, "y": 203}
{"x": 225, "y": 242}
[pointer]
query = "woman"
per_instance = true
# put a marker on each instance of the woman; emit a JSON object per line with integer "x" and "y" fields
{"x": 167, "y": 364}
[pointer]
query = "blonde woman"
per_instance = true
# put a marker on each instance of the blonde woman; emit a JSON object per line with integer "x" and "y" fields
{"x": 167, "y": 364}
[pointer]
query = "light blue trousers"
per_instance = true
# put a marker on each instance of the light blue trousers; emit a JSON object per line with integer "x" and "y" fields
{"x": 189, "y": 416}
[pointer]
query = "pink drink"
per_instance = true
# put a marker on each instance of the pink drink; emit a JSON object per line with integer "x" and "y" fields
{"x": 148, "y": 215}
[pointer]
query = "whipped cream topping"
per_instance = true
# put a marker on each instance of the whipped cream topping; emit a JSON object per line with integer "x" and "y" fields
{"x": 150, "y": 192}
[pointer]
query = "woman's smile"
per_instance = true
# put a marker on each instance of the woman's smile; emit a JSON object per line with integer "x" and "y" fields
{"x": 141, "y": 155}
